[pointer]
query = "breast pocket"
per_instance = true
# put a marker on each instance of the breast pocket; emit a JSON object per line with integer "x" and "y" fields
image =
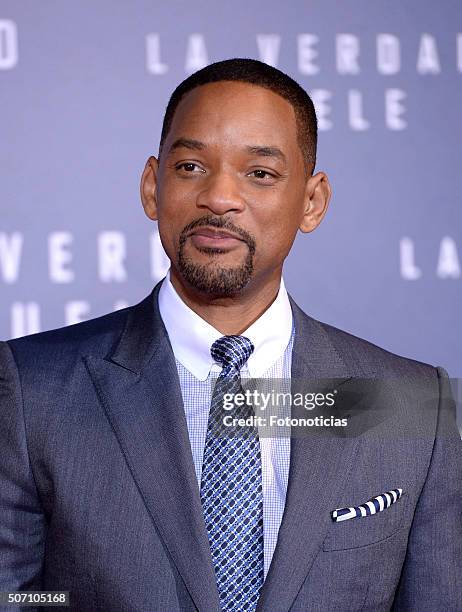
{"x": 366, "y": 530}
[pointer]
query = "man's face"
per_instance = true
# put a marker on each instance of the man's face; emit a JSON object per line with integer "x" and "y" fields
{"x": 230, "y": 190}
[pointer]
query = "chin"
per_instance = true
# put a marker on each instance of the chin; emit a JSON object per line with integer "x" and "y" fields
{"x": 215, "y": 279}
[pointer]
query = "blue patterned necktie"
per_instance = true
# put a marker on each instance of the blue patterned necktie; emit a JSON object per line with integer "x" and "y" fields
{"x": 231, "y": 487}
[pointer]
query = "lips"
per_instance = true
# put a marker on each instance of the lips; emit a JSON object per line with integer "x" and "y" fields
{"x": 214, "y": 238}
{"x": 214, "y": 233}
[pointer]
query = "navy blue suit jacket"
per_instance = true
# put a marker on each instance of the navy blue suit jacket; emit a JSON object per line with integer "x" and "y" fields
{"x": 98, "y": 494}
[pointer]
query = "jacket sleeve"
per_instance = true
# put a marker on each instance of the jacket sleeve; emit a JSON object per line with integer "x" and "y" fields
{"x": 431, "y": 577}
{"x": 22, "y": 522}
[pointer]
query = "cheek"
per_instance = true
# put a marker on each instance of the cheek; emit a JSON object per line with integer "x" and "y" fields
{"x": 173, "y": 195}
{"x": 172, "y": 212}
{"x": 279, "y": 222}
{"x": 169, "y": 203}
{"x": 274, "y": 240}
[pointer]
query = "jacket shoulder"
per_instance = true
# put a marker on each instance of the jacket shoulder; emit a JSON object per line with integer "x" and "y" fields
{"x": 95, "y": 336}
{"x": 370, "y": 356}
{"x": 359, "y": 356}
{"x": 359, "y": 349}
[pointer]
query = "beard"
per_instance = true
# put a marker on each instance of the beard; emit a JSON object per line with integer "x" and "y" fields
{"x": 212, "y": 278}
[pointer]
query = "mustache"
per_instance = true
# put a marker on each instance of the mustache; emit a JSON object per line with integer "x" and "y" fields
{"x": 219, "y": 223}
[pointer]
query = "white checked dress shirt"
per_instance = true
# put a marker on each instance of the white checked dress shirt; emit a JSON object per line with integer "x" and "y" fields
{"x": 272, "y": 336}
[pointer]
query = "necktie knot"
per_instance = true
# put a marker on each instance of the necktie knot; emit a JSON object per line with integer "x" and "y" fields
{"x": 232, "y": 351}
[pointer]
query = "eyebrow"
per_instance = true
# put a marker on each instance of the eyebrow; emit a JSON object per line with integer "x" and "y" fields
{"x": 264, "y": 151}
{"x": 187, "y": 143}
{"x": 197, "y": 145}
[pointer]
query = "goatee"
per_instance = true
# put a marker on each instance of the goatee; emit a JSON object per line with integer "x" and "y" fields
{"x": 212, "y": 278}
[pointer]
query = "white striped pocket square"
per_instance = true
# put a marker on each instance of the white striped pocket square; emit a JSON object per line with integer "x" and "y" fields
{"x": 372, "y": 506}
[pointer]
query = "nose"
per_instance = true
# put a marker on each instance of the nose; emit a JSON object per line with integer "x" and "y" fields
{"x": 221, "y": 194}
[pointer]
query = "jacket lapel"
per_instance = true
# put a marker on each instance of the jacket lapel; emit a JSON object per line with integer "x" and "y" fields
{"x": 139, "y": 389}
{"x": 319, "y": 465}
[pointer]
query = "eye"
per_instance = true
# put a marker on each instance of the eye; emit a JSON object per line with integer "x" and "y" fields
{"x": 262, "y": 174}
{"x": 189, "y": 167}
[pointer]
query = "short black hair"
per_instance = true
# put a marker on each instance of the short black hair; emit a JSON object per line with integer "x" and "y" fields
{"x": 256, "y": 73}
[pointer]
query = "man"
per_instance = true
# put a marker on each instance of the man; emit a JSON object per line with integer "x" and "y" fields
{"x": 114, "y": 483}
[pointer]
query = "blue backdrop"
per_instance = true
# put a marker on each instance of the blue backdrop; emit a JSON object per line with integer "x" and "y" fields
{"x": 83, "y": 88}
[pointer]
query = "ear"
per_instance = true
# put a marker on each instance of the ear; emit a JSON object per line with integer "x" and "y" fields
{"x": 148, "y": 188}
{"x": 317, "y": 196}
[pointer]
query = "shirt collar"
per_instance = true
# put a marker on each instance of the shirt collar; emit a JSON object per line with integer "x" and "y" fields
{"x": 191, "y": 336}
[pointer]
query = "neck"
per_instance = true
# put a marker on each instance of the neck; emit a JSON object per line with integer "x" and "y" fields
{"x": 231, "y": 315}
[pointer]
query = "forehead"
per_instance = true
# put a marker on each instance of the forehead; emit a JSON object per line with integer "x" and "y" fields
{"x": 229, "y": 112}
